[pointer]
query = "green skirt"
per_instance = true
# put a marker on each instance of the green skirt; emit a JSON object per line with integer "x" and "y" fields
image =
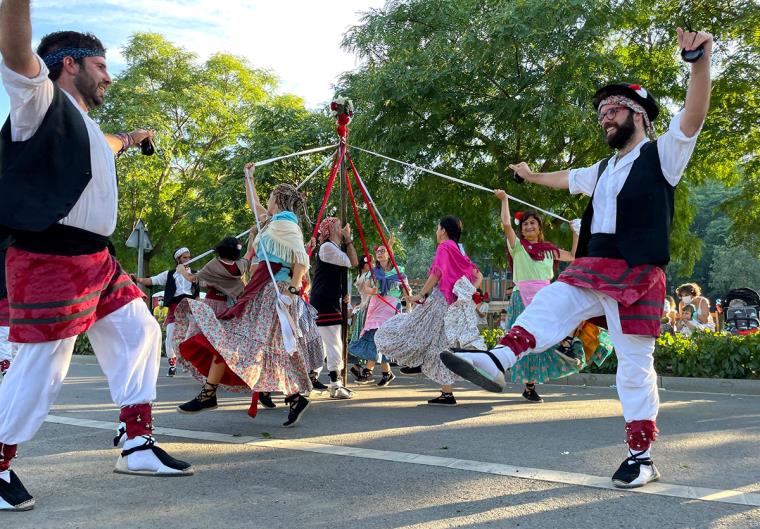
{"x": 549, "y": 365}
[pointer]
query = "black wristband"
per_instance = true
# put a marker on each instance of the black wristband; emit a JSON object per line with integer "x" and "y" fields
{"x": 293, "y": 290}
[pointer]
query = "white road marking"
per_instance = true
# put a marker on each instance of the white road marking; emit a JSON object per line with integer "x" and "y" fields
{"x": 736, "y": 497}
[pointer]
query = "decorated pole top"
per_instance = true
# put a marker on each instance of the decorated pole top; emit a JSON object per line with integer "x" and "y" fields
{"x": 342, "y": 109}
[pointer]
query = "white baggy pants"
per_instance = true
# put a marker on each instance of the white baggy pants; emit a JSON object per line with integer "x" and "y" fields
{"x": 559, "y": 308}
{"x": 169, "y": 342}
{"x": 127, "y": 344}
{"x": 331, "y": 340}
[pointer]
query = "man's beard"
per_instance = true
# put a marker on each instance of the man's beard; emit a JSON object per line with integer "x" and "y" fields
{"x": 88, "y": 89}
{"x": 623, "y": 134}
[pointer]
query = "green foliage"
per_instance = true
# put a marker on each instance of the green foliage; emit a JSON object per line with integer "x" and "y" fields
{"x": 491, "y": 336}
{"x": 711, "y": 355}
{"x": 734, "y": 267}
{"x": 727, "y": 260}
{"x": 469, "y": 86}
{"x": 82, "y": 346}
{"x": 703, "y": 355}
{"x": 210, "y": 118}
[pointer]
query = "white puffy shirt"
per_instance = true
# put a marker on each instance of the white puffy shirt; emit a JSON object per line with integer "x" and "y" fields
{"x": 674, "y": 148}
{"x": 184, "y": 287}
{"x": 330, "y": 253}
{"x": 30, "y": 99}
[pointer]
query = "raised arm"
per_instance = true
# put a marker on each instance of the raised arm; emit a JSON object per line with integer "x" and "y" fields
{"x": 251, "y": 195}
{"x": 185, "y": 272}
{"x": 119, "y": 143}
{"x": 506, "y": 218}
{"x": 557, "y": 179}
{"x": 564, "y": 255}
{"x": 698, "y": 93}
{"x": 16, "y": 38}
{"x": 350, "y": 248}
{"x": 144, "y": 281}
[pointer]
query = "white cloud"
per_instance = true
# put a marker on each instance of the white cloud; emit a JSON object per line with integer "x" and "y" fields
{"x": 298, "y": 40}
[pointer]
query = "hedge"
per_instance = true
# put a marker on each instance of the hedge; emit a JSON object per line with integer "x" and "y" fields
{"x": 703, "y": 355}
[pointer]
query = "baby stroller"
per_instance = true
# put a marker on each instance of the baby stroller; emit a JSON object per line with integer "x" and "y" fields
{"x": 740, "y": 310}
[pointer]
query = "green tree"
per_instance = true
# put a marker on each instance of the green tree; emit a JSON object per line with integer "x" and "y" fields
{"x": 469, "y": 86}
{"x": 733, "y": 267}
{"x": 210, "y": 118}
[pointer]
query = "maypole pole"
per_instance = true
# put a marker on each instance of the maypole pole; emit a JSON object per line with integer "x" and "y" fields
{"x": 343, "y": 109}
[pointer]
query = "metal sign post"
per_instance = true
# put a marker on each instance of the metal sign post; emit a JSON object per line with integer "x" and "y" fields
{"x": 139, "y": 239}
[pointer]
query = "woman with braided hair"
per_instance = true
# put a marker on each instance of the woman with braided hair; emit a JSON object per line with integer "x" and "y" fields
{"x": 244, "y": 349}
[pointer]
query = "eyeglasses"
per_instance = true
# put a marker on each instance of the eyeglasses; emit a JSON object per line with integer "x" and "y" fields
{"x": 381, "y": 250}
{"x": 610, "y": 113}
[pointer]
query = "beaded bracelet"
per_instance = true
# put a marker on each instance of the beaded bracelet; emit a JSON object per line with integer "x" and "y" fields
{"x": 126, "y": 142}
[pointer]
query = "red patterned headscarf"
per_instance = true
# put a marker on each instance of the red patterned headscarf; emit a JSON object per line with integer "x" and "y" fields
{"x": 325, "y": 226}
{"x": 631, "y": 104}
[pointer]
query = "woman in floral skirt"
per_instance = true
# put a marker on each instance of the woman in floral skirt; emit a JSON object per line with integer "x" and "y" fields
{"x": 245, "y": 348}
{"x": 417, "y": 338}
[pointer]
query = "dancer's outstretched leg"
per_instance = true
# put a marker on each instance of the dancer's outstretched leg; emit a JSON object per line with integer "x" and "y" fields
{"x": 127, "y": 344}
{"x": 554, "y": 313}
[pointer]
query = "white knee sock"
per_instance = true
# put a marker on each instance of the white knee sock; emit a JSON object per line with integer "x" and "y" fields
{"x": 645, "y": 455}
{"x": 484, "y": 362}
{"x": 505, "y": 356}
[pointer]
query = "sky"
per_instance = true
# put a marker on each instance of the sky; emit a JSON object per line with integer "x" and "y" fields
{"x": 298, "y": 40}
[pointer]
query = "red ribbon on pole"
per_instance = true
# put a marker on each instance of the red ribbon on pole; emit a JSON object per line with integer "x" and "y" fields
{"x": 374, "y": 219}
{"x": 364, "y": 243}
{"x": 328, "y": 190}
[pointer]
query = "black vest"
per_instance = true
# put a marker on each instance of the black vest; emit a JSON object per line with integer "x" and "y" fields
{"x": 645, "y": 207}
{"x": 170, "y": 289}
{"x": 328, "y": 287}
{"x": 43, "y": 177}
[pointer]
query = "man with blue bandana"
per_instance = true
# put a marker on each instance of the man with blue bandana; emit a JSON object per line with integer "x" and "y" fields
{"x": 58, "y": 206}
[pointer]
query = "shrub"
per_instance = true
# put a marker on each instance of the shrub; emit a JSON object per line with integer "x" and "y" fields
{"x": 491, "y": 336}
{"x": 703, "y": 355}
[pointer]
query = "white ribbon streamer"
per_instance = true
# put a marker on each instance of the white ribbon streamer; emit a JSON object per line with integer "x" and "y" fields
{"x": 300, "y": 153}
{"x": 315, "y": 171}
{"x": 458, "y": 180}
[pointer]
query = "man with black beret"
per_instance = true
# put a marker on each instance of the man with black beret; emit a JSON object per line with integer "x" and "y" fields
{"x": 618, "y": 273}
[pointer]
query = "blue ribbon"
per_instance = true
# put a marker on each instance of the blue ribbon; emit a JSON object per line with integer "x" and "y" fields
{"x": 51, "y": 59}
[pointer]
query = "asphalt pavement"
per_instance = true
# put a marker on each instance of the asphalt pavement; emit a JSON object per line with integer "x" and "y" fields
{"x": 386, "y": 459}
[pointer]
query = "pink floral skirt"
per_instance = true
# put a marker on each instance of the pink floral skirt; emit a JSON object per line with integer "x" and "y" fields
{"x": 251, "y": 345}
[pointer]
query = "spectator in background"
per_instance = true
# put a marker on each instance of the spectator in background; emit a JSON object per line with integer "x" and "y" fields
{"x": 160, "y": 312}
{"x": 669, "y": 316}
{"x": 691, "y": 294}
{"x": 503, "y": 321}
{"x": 481, "y": 308}
{"x": 687, "y": 323}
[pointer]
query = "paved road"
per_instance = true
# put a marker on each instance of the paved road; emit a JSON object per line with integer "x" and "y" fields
{"x": 387, "y": 460}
